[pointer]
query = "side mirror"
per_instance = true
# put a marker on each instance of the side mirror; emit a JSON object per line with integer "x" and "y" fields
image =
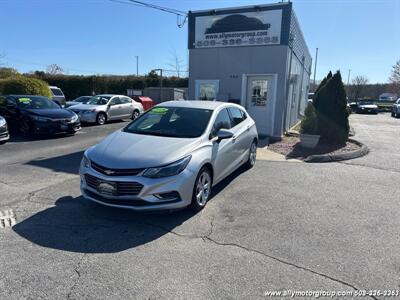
{"x": 223, "y": 134}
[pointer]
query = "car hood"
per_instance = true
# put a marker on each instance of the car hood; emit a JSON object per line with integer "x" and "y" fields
{"x": 122, "y": 150}
{"x": 82, "y": 106}
{"x": 368, "y": 106}
{"x": 55, "y": 113}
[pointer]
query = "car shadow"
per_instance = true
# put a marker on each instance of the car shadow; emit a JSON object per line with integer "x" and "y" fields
{"x": 18, "y": 138}
{"x": 68, "y": 163}
{"x": 78, "y": 225}
{"x": 84, "y": 124}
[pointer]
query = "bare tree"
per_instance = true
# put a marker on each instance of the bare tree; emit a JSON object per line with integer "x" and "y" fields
{"x": 358, "y": 85}
{"x": 54, "y": 69}
{"x": 395, "y": 77}
{"x": 176, "y": 64}
{"x": 2, "y": 55}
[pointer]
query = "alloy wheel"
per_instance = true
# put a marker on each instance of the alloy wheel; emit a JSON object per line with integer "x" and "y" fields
{"x": 101, "y": 119}
{"x": 203, "y": 188}
{"x": 253, "y": 154}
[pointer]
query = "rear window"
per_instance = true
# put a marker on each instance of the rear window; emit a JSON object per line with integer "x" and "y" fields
{"x": 56, "y": 92}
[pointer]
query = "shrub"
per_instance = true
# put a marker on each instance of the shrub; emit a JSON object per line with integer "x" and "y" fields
{"x": 309, "y": 123}
{"x": 332, "y": 115}
{"x": 23, "y": 85}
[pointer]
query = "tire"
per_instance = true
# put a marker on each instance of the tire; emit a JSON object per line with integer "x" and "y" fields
{"x": 251, "y": 161}
{"x": 101, "y": 119}
{"x": 393, "y": 115}
{"x": 135, "y": 114}
{"x": 26, "y": 128}
{"x": 201, "y": 194}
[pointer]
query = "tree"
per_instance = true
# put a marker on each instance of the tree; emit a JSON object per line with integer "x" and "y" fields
{"x": 24, "y": 85}
{"x": 332, "y": 115}
{"x": 176, "y": 64}
{"x": 54, "y": 69}
{"x": 395, "y": 77}
{"x": 7, "y": 72}
{"x": 358, "y": 85}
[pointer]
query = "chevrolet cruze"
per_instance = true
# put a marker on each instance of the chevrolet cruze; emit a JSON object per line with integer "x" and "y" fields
{"x": 170, "y": 157}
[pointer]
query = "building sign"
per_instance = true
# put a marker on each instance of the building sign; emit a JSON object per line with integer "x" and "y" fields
{"x": 244, "y": 29}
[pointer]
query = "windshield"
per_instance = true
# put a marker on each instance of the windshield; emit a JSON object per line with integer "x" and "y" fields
{"x": 36, "y": 102}
{"x": 99, "y": 100}
{"x": 82, "y": 99}
{"x": 181, "y": 122}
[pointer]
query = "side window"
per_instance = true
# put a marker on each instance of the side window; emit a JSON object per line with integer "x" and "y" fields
{"x": 125, "y": 100}
{"x": 237, "y": 115}
{"x": 115, "y": 101}
{"x": 223, "y": 121}
{"x": 10, "y": 102}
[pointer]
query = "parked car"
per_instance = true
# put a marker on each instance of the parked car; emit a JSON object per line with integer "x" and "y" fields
{"x": 396, "y": 109}
{"x": 58, "y": 95}
{"x": 32, "y": 115}
{"x": 102, "y": 108}
{"x": 81, "y": 99}
{"x": 4, "y": 135}
{"x": 170, "y": 157}
{"x": 367, "y": 107}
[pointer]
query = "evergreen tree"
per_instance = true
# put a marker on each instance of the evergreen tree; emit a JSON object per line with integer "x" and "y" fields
{"x": 331, "y": 110}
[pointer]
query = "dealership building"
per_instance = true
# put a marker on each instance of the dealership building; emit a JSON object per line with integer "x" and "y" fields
{"x": 255, "y": 56}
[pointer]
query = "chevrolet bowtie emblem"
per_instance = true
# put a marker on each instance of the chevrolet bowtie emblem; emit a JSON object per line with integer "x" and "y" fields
{"x": 109, "y": 172}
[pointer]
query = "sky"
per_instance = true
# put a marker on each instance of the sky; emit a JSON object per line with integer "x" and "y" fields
{"x": 104, "y": 37}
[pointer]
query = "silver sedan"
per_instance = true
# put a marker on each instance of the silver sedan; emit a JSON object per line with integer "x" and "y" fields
{"x": 170, "y": 157}
{"x": 102, "y": 108}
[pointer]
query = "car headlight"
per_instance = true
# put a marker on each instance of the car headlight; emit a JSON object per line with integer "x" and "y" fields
{"x": 74, "y": 118}
{"x": 40, "y": 119}
{"x": 2, "y": 122}
{"x": 88, "y": 111}
{"x": 168, "y": 170}
{"x": 85, "y": 161}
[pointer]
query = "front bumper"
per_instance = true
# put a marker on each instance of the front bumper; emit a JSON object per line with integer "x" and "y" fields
{"x": 4, "y": 135}
{"x": 148, "y": 199}
{"x": 89, "y": 117}
{"x": 55, "y": 127}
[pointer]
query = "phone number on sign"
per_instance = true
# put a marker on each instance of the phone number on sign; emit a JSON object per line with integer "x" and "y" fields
{"x": 332, "y": 294}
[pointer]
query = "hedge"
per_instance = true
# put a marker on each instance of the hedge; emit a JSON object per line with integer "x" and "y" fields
{"x": 74, "y": 86}
{"x": 22, "y": 85}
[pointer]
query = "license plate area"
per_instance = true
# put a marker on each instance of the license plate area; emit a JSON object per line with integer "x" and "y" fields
{"x": 106, "y": 188}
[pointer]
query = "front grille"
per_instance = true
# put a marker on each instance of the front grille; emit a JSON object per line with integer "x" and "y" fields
{"x": 122, "y": 188}
{"x": 115, "y": 172}
{"x": 133, "y": 202}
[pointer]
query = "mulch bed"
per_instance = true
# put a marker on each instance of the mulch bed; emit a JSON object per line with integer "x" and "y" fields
{"x": 291, "y": 148}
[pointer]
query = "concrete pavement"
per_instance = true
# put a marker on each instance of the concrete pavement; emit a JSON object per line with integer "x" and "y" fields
{"x": 330, "y": 226}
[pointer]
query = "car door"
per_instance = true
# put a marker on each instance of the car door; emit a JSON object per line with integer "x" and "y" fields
{"x": 10, "y": 111}
{"x": 127, "y": 107}
{"x": 241, "y": 138}
{"x": 114, "y": 108}
{"x": 223, "y": 155}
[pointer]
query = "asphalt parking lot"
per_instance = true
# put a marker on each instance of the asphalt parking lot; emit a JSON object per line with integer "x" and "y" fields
{"x": 279, "y": 226}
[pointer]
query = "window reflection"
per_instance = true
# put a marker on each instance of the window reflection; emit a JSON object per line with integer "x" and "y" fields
{"x": 259, "y": 92}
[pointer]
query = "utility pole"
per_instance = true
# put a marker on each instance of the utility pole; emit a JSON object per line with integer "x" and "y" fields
{"x": 137, "y": 66}
{"x": 315, "y": 64}
{"x": 348, "y": 77}
{"x": 161, "y": 83}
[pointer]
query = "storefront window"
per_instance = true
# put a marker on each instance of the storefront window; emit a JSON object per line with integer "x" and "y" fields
{"x": 259, "y": 92}
{"x": 207, "y": 90}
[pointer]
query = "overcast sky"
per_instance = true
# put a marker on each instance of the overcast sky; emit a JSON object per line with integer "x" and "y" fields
{"x": 101, "y": 36}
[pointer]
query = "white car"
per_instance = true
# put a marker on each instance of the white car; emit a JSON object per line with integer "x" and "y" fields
{"x": 102, "y": 108}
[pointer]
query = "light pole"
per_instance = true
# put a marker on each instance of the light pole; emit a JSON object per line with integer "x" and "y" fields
{"x": 137, "y": 66}
{"x": 161, "y": 83}
{"x": 315, "y": 64}
{"x": 348, "y": 77}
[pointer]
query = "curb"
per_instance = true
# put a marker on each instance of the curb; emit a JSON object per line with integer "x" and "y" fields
{"x": 342, "y": 156}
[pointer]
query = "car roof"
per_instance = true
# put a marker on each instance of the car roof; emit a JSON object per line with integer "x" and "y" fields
{"x": 198, "y": 104}
{"x": 19, "y": 96}
{"x": 110, "y": 95}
